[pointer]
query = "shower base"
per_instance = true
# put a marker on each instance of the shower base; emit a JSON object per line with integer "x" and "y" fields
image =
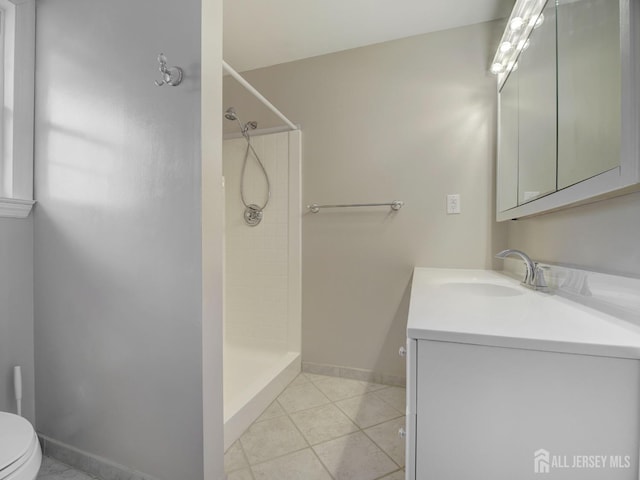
{"x": 253, "y": 377}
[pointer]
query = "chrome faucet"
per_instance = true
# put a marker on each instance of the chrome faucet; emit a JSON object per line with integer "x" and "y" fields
{"x": 534, "y": 278}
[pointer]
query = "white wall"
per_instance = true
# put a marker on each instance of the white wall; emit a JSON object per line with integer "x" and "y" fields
{"x": 118, "y": 232}
{"x": 601, "y": 236}
{"x": 16, "y": 313}
{"x": 413, "y": 120}
{"x": 212, "y": 230}
{"x": 257, "y": 258}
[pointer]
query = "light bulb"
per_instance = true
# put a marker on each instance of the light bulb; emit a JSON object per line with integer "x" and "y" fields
{"x": 537, "y": 22}
{"x": 523, "y": 44}
{"x": 497, "y": 68}
{"x": 505, "y": 47}
{"x": 516, "y": 24}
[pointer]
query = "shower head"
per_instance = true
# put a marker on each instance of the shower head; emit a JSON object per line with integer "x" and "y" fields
{"x": 230, "y": 114}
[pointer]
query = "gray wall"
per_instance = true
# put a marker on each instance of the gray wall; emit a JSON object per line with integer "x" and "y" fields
{"x": 118, "y": 300}
{"x": 413, "y": 120}
{"x": 601, "y": 236}
{"x": 16, "y": 313}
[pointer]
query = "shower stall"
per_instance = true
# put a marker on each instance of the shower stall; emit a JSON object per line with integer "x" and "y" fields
{"x": 262, "y": 305}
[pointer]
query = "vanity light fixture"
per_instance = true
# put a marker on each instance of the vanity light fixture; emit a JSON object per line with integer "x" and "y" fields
{"x": 505, "y": 47}
{"x": 497, "y": 68}
{"x": 536, "y": 22}
{"x": 523, "y": 44}
{"x": 525, "y": 16}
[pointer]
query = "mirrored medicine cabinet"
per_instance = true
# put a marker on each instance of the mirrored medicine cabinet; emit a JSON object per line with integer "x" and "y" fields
{"x": 568, "y": 128}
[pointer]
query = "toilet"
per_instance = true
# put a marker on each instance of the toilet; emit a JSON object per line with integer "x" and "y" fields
{"x": 20, "y": 453}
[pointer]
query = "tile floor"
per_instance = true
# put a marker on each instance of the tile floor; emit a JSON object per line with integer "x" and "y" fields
{"x": 319, "y": 428}
{"x": 53, "y": 470}
{"x": 324, "y": 428}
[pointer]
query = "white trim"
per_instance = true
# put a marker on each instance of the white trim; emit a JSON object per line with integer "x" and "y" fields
{"x": 15, "y": 208}
{"x": 252, "y": 90}
{"x": 294, "y": 330}
{"x": 18, "y": 102}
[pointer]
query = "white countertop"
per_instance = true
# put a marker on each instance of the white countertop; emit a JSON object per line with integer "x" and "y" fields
{"x": 484, "y": 307}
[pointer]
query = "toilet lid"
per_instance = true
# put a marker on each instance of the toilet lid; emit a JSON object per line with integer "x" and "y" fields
{"x": 16, "y": 436}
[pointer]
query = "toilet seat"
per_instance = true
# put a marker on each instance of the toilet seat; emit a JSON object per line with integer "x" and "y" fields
{"x": 20, "y": 453}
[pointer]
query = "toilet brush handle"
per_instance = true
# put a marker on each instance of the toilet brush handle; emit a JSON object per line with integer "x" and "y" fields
{"x": 17, "y": 385}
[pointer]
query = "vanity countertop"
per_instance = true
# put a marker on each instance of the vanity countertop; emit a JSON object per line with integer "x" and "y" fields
{"x": 484, "y": 307}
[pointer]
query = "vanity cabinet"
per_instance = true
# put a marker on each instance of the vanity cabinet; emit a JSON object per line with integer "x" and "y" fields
{"x": 484, "y": 412}
{"x": 568, "y": 114}
{"x": 506, "y": 383}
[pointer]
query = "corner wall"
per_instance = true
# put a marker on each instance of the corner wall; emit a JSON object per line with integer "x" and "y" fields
{"x": 16, "y": 313}
{"x": 602, "y": 236}
{"x": 118, "y": 277}
{"x": 410, "y": 120}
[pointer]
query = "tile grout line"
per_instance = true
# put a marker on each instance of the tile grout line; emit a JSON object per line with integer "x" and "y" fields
{"x": 277, "y": 457}
{"x": 399, "y": 413}
{"x": 383, "y": 451}
{"x": 246, "y": 459}
{"x": 286, "y": 414}
{"x": 339, "y": 436}
{"x": 385, "y": 401}
{"x": 334, "y": 402}
{"x": 331, "y": 402}
{"x": 390, "y": 473}
{"x": 322, "y": 463}
{"x": 361, "y": 429}
{"x": 311, "y": 447}
{"x": 375, "y": 424}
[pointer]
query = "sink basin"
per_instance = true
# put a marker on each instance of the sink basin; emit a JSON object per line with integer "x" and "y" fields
{"x": 483, "y": 307}
{"x": 481, "y": 289}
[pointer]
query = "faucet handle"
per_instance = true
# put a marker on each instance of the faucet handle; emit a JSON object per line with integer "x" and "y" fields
{"x": 538, "y": 279}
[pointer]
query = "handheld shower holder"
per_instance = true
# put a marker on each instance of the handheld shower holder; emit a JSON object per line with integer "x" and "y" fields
{"x": 253, "y": 215}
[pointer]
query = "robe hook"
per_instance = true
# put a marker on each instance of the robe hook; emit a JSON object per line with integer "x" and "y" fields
{"x": 171, "y": 76}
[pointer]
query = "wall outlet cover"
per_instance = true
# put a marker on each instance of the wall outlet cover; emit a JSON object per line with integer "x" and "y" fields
{"x": 453, "y": 204}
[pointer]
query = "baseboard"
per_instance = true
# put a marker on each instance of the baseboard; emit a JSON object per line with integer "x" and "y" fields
{"x": 88, "y": 463}
{"x": 354, "y": 373}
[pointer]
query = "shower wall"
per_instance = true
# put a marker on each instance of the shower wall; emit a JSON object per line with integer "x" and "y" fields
{"x": 262, "y": 278}
{"x": 257, "y": 287}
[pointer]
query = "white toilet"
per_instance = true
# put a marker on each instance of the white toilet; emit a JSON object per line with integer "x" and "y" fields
{"x": 20, "y": 454}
